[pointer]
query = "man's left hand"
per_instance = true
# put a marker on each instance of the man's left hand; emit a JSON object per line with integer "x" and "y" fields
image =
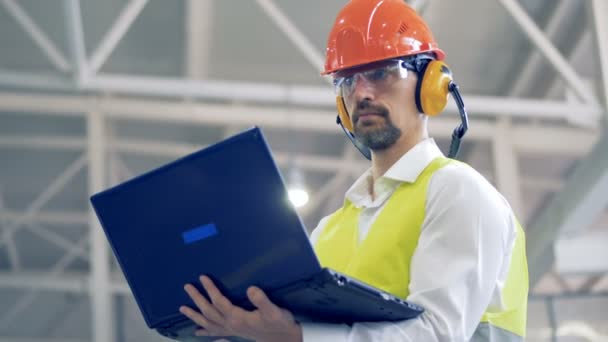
{"x": 268, "y": 323}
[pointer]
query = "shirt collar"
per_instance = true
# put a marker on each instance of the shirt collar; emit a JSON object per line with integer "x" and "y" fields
{"x": 414, "y": 161}
{"x": 406, "y": 169}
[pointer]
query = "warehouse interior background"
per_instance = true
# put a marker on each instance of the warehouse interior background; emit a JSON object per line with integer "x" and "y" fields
{"x": 93, "y": 93}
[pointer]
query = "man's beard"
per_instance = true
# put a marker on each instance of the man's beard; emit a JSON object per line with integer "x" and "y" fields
{"x": 379, "y": 138}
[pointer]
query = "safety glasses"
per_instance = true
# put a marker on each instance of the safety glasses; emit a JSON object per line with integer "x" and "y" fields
{"x": 379, "y": 76}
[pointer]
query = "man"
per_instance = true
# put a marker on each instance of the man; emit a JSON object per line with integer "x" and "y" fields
{"x": 416, "y": 224}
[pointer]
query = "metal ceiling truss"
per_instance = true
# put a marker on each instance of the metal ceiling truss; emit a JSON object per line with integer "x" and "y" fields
{"x": 508, "y": 138}
{"x": 584, "y": 196}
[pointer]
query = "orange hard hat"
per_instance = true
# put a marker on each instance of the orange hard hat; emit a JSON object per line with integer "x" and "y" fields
{"x": 368, "y": 31}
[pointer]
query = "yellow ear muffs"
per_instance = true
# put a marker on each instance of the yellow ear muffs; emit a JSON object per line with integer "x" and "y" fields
{"x": 343, "y": 114}
{"x": 432, "y": 89}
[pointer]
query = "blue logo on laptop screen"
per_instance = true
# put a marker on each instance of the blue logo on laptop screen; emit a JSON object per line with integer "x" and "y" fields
{"x": 199, "y": 233}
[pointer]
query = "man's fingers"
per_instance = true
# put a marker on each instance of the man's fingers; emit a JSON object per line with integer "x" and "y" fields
{"x": 203, "y": 304}
{"x": 233, "y": 319}
{"x": 201, "y": 321}
{"x": 241, "y": 321}
{"x": 222, "y": 303}
{"x": 268, "y": 310}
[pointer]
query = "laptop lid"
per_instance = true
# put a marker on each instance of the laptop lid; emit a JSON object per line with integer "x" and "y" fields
{"x": 221, "y": 211}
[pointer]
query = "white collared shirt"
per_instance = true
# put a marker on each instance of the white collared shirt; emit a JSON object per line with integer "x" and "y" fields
{"x": 460, "y": 264}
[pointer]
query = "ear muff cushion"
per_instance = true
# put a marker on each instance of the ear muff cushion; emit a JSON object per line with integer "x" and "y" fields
{"x": 433, "y": 90}
{"x": 343, "y": 114}
{"x": 419, "y": 87}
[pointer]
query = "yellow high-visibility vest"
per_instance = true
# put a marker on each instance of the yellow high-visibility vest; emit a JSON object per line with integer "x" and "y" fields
{"x": 383, "y": 258}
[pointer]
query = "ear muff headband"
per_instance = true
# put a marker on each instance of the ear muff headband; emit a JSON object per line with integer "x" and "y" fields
{"x": 432, "y": 89}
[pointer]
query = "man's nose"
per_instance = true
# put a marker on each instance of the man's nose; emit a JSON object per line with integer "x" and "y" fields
{"x": 364, "y": 89}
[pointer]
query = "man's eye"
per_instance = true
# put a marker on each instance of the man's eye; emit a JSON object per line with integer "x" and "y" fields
{"x": 348, "y": 81}
{"x": 377, "y": 75}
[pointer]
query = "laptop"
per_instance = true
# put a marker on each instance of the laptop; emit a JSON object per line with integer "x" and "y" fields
{"x": 223, "y": 211}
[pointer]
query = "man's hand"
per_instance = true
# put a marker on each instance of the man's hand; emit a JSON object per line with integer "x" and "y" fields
{"x": 268, "y": 323}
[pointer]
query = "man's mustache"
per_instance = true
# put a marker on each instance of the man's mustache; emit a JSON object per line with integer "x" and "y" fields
{"x": 369, "y": 109}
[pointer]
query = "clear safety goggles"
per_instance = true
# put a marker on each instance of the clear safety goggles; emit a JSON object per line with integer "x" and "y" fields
{"x": 379, "y": 75}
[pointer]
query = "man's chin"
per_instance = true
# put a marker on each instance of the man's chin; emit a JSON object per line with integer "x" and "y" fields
{"x": 375, "y": 139}
{"x": 369, "y": 128}
{"x": 368, "y": 134}
{"x": 377, "y": 146}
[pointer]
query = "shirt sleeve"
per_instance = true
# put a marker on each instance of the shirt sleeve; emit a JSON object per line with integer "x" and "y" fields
{"x": 460, "y": 258}
{"x": 314, "y": 236}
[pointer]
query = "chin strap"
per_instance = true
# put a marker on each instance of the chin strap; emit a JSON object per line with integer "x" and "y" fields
{"x": 365, "y": 151}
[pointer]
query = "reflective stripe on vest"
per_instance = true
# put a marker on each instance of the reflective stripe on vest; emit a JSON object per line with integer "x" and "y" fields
{"x": 383, "y": 258}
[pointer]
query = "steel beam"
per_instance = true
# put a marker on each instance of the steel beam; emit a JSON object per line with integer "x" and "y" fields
{"x": 269, "y": 93}
{"x": 600, "y": 13}
{"x": 34, "y": 339}
{"x": 505, "y": 155}
{"x": 9, "y": 314}
{"x": 310, "y": 52}
{"x": 101, "y": 298}
{"x": 542, "y": 184}
{"x": 55, "y": 217}
{"x": 35, "y": 229}
{"x": 50, "y": 143}
{"x": 525, "y": 137}
{"x": 584, "y": 195}
{"x": 507, "y": 166}
{"x": 198, "y": 28}
{"x": 534, "y": 60}
{"x": 540, "y": 139}
{"x": 592, "y": 284}
{"x": 57, "y": 185}
{"x": 42, "y": 80}
{"x": 120, "y": 27}
{"x": 40, "y": 281}
{"x": 548, "y": 50}
{"x": 550, "y": 306}
{"x": 11, "y": 246}
{"x": 75, "y": 33}
{"x": 578, "y": 54}
{"x": 584, "y": 254}
{"x": 57, "y": 240}
{"x": 70, "y": 282}
{"x": 54, "y": 55}
{"x": 320, "y": 96}
{"x": 579, "y": 203}
{"x": 581, "y": 330}
{"x": 227, "y": 90}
